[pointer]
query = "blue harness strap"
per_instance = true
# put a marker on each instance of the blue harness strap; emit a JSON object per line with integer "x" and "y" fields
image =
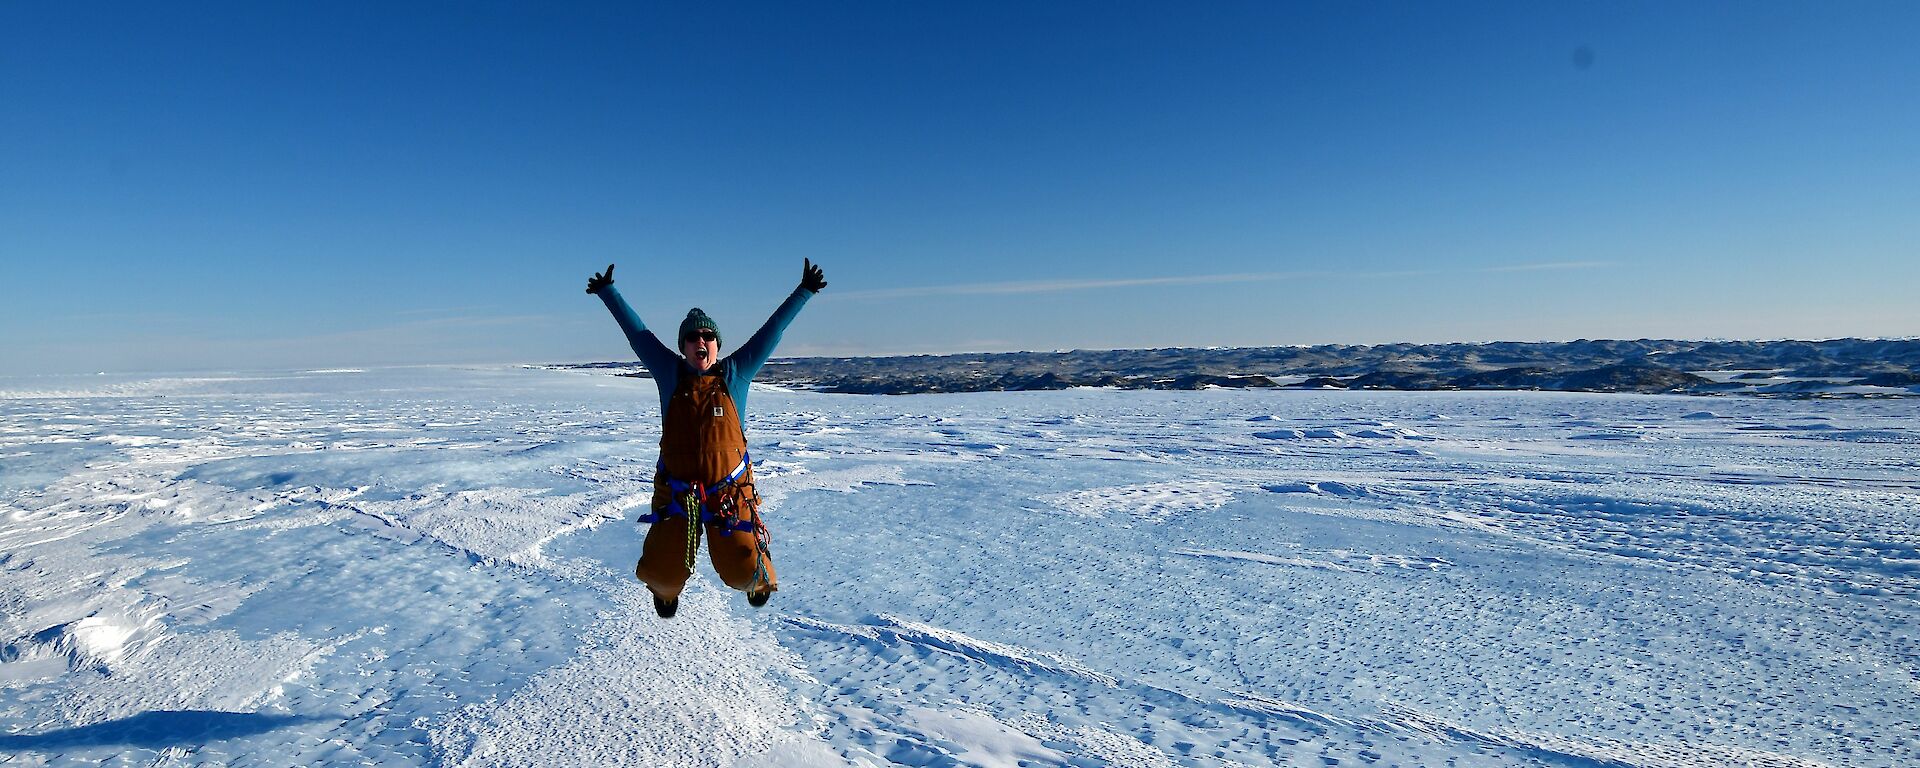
{"x": 700, "y": 494}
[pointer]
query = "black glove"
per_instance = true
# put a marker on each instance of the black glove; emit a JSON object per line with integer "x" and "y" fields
{"x": 600, "y": 280}
{"x": 811, "y": 278}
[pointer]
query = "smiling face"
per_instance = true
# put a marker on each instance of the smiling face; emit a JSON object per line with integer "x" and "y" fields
{"x": 701, "y": 348}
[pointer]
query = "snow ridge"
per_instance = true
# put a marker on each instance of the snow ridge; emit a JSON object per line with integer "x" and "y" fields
{"x": 893, "y": 629}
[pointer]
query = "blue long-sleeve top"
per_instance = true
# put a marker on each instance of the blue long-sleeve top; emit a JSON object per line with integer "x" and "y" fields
{"x": 737, "y": 369}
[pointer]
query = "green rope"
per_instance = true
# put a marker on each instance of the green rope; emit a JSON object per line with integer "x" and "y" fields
{"x": 691, "y": 503}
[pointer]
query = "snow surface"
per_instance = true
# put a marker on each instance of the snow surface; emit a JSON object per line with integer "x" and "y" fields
{"x": 433, "y": 566}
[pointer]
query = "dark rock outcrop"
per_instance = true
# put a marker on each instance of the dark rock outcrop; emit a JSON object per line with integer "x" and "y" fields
{"x": 1322, "y": 382}
{"x": 1527, "y": 377}
{"x": 1631, "y": 378}
{"x": 1889, "y": 379}
{"x": 1400, "y": 380}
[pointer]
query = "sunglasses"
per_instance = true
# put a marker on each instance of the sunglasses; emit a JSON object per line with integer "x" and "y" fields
{"x": 703, "y": 335}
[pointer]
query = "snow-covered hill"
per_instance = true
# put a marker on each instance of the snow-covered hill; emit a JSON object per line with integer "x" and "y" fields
{"x": 433, "y": 566}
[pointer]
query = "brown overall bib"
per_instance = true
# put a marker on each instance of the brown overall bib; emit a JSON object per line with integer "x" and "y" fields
{"x": 701, "y": 443}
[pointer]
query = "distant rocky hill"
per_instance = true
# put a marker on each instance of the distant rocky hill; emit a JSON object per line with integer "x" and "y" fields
{"x": 1842, "y": 367}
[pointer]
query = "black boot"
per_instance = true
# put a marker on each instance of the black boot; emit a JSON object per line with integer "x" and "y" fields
{"x": 665, "y": 607}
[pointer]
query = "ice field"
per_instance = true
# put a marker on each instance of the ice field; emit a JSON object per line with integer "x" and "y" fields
{"x": 433, "y": 566}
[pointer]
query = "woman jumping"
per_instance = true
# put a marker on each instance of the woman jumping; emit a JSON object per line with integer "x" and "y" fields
{"x": 704, "y": 472}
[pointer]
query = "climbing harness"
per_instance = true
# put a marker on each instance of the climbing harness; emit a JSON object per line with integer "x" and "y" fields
{"x": 688, "y": 496}
{"x": 717, "y": 505}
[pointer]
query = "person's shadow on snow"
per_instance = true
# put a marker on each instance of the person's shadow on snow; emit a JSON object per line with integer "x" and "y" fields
{"x": 155, "y": 730}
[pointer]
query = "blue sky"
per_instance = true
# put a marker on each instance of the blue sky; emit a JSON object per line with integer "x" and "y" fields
{"x": 248, "y": 185}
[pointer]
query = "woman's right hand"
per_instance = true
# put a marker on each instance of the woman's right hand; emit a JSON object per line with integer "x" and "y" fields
{"x": 600, "y": 280}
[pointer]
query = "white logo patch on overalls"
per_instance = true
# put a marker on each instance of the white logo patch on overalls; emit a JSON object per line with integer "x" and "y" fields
{"x": 716, "y": 411}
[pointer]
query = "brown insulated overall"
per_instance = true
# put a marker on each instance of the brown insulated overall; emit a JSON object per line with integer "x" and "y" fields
{"x": 701, "y": 443}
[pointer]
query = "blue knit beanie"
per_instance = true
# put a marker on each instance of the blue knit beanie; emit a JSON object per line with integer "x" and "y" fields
{"x": 695, "y": 321}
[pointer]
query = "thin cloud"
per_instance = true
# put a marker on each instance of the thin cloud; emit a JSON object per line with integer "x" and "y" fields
{"x": 1065, "y": 285}
{"x": 1550, "y": 266}
{"x": 1058, "y": 286}
{"x": 441, "y": 311}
